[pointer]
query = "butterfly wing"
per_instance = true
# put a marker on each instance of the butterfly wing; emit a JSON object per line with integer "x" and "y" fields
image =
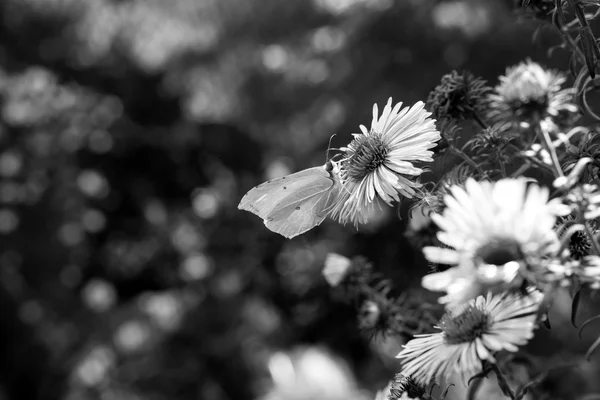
{"x": 292, "y": 204}
{"x": 303, "y": 214}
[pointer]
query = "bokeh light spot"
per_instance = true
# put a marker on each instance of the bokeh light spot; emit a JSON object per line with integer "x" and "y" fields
{"x": 195, "y": 267}
{"x": 100, "y": 141}
{"x": 205, "y": 203}
{"x": 93, "y": 184}
{"x": 10, "y": 163}
{"x": 99, "y": 295}
{"x": 9, "y": 220}
{"x": 132, "y": 336}
{"x": 94, "y": 368}
{"x": 275, "y": 57}
{"x": 31, "y": 312}
{"x": 70, "y": 234}
{"x": 93, "y": 221}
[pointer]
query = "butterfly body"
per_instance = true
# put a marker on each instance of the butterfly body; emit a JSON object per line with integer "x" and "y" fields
{"x": 296, "y": 203}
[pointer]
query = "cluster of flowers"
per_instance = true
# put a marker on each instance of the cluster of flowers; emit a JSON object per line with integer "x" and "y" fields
{"x": 514, "y": 222}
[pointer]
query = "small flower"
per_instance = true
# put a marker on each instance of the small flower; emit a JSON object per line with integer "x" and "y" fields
{"x": 458, "y": 96}
{"x": 378, "y": 163}
{"x": 488, "y": 148}
{"x": 405, "y": 387}
{"x": 498, "y": 233}
{"x": 529, "y": 93}
{"x": 336, "y": 268}
{"x": 579, "y": 243}
{"x": 469, "y": 335}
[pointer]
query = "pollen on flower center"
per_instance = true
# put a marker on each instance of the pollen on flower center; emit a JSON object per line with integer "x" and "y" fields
{"x": 364, "y": 155}
{"x": 499, "y": 252}
{"x": 464, "y": 327}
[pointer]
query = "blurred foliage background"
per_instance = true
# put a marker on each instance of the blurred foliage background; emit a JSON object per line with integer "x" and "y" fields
{"x": 129, "y": 131}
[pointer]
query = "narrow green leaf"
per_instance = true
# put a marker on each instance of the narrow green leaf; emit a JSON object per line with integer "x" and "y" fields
{"x": 574, "y": 307}
{"x": 592, "y": 348}
{"x": 586, "y": 323}
{"x": 590, "y": 49}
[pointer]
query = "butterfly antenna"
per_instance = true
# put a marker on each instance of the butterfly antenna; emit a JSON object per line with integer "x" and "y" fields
{"x": 329, "y": 148}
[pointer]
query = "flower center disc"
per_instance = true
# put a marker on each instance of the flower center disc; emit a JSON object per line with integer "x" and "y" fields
{"x": 468, "y": 325}
{"x": 499, "y": 252}
{"x": 365, "y": 155}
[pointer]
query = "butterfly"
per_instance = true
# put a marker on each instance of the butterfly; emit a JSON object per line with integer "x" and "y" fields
{"x": 296, "y": 203}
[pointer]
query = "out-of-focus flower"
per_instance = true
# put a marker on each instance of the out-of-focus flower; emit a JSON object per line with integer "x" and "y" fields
{"x": 588, "y": 271}
{"x": 584, "y": 199}
{"x": 530, "y": 93}
{"x": 471, "y": 334}
{"x": 498, "y": 232}
{"x": 488, "y": 147}
{"x": 378, "y": 163}
{"x": 336, "y": 268}
{"x": 458, "y": 96}
{"x": 310, "y": 373}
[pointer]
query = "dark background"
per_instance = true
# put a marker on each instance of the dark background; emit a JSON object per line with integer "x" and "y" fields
{"x": 129, "y": 130}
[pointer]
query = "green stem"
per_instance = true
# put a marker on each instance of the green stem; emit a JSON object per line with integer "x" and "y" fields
{"x": 532, "y": 160}
{"x": 503, "y": 382}
{"x": 502, "y": 167}
{"x": 574, "y": 47}
{"x": 521, "y": 170}
{"x": 547, "y": 142}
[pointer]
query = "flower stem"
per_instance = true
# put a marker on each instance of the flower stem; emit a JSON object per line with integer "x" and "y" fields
{"x": 502, "y": 167}
{"x": 521, "y": 170}
{"x": 547, "y": 143}
{"x": 503, "y": 382}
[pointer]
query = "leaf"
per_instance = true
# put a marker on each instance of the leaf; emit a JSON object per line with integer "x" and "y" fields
{"x": 574, "y": 307}
{"x": 581, "y": 85}
{"x": 592, "y": 348}
{"x": 590, "y": 49}
{"x": 445, "y": 393}
{"x": 558, "y": 17}
{"x": 482, "y": 374}
{"x": 589, "y": 321}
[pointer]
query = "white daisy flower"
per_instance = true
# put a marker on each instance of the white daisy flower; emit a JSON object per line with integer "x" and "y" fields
{"x": 469, "y": 335}
{"x": 378, "y": 163}
{"x": 529, "y": 92}
{"x": 497, "y": 232}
